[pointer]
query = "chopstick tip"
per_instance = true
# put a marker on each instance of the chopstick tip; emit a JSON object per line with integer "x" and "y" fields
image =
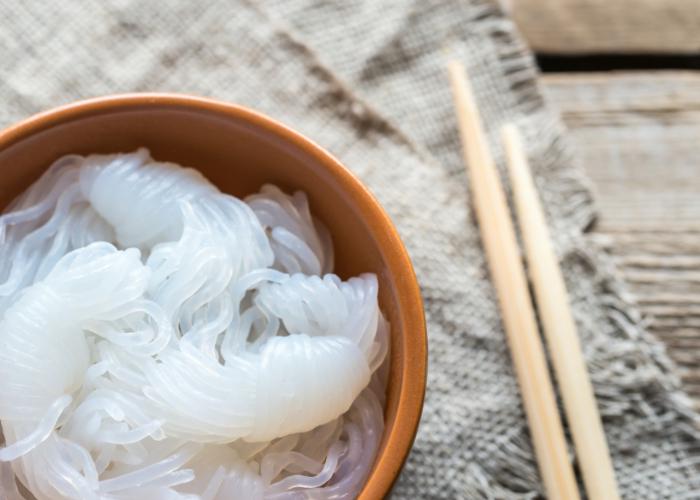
{"x": 455, "y": 66}
{"x": 511, "y": 136}
{"x": 509, "y": 131}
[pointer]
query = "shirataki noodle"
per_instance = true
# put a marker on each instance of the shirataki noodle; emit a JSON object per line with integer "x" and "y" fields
{"x": 160, "y": 339}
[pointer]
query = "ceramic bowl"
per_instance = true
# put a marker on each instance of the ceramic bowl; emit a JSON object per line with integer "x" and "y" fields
{"x": 239, "y": 150}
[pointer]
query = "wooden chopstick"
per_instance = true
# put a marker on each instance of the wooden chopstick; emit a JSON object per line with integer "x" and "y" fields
{"x": 508, "y": 275}
{"x": 559, "y": 327}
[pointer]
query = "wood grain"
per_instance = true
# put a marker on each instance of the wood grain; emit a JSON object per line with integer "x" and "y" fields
{"x": 619, "y": 26}
{"x": 638, "y": 137}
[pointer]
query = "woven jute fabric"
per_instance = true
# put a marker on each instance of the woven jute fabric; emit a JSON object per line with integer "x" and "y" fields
{"x": 367, "y": 81}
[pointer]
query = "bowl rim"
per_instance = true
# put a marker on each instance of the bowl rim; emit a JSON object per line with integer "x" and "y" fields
{"x": 414, "y": 371}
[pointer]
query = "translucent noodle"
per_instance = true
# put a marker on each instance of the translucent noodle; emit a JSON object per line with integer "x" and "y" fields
{"x": 164, "y": 340}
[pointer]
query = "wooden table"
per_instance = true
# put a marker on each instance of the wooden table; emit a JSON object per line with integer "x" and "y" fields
{"x": 637, "y": 135}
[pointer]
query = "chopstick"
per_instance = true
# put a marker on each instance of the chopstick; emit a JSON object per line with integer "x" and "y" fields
{"x": 505, "y": 264}
{"x": 559, "y": 327}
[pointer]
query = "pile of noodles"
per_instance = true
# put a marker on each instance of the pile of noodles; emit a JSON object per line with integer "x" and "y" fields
{"x": 160, "y": 339}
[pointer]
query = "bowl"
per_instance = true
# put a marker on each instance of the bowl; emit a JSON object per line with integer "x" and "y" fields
{"x": 239, "y": 150}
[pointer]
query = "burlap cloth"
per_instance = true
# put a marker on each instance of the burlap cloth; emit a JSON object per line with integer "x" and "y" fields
{"x": 367, "y": 81}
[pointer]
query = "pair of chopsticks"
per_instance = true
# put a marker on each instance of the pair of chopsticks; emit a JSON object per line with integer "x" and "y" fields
{"x": 508, "y": 274}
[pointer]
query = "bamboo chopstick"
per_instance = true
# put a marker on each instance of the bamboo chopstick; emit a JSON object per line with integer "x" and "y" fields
{"x": 559, "y": 327}
{"x": 508, "y": 275}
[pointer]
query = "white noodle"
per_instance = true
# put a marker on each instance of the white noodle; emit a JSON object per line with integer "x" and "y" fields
{"x": 164, "y": 340}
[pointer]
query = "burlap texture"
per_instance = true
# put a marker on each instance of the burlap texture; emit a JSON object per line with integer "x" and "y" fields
{"x": 367, "y": 81}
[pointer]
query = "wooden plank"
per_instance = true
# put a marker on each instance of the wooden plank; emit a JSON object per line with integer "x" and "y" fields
{"x": 604, "y": 26}
{"x": 637, "y": 135}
